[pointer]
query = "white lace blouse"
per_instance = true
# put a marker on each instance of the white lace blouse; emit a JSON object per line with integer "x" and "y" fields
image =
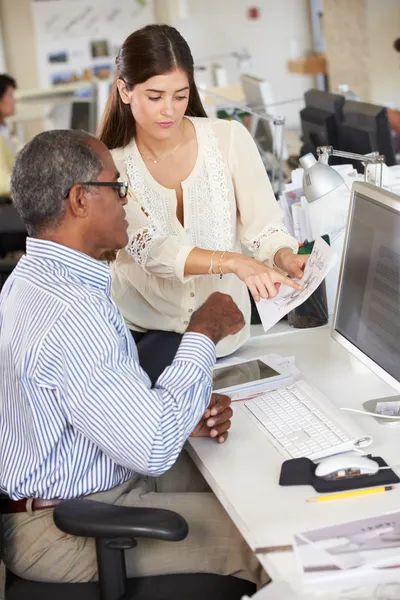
{"x": 228, "y": 201}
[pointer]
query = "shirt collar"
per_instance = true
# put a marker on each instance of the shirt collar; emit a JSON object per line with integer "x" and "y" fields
{"x": 89, "y": 270}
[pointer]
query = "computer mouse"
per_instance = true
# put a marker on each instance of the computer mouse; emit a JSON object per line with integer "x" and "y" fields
{"x": 344, "y": 466}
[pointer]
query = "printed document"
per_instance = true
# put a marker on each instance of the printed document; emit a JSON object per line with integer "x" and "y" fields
{"x": 320, "y": 262}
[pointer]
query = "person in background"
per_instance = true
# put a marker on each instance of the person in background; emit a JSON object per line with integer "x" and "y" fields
{"x": 7, "y": 149}
{"x": 394, "y": 119}
{"x": 394, "y": 115}
{"x": 198, "y": 192}
{"x": 78, "y": 416}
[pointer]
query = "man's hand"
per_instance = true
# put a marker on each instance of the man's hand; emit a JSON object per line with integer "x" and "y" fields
{"x": 216, "y": 419}
{"x": 217, "y": 317}
{"x": 290, "y": 263}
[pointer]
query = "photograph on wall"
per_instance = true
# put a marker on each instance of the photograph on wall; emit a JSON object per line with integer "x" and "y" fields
{"x": 99, "y": 48}
{"x": 58, "y": 57}
{"x": 64, "y": 77}
{"x": 102, "y": 71}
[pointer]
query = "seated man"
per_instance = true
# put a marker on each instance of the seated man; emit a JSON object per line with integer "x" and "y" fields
{"x": 78, "y": 416}
{"x": 7, "y": 150}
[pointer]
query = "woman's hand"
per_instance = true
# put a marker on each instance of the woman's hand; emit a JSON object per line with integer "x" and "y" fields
{"x": 290, "y": 263}
{"x": 262, "y": 281}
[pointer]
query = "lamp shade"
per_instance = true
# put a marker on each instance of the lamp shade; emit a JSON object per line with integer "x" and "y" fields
{"x": 318, "y": 179}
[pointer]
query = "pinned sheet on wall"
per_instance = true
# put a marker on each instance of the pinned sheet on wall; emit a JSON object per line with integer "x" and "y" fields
{"x": 78, "y": 38}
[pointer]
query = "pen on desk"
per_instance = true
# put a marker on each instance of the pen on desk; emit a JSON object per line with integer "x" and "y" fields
{"x": 352, "y": 494}
{"x": 269, "y": 549}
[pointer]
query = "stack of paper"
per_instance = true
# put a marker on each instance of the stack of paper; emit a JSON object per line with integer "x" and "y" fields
{"x": 328, "y": 215}
{"x": 307, "y": 221}
{"x": 358, "y": 554}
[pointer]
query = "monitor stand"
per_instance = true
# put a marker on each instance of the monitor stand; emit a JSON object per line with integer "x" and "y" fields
{"x": 370, "y": 406}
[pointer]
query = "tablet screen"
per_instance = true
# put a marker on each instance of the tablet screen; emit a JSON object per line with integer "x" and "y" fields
{"x": 242, "y": 373}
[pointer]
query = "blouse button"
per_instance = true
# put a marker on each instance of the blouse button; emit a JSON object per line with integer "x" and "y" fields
{"x": 190, "y": 309}
{"x": 186, "y": 322}
{"x": 191, "y": 294}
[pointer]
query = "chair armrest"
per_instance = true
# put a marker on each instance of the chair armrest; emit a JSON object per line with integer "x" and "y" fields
{"x": 87, "y": 518}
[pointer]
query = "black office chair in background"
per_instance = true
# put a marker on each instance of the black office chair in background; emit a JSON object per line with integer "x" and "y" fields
{"x": 115, "y": 529}
{"x": 12, "y": 238}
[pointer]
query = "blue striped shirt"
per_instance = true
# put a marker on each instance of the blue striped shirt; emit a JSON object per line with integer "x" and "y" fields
{"x": 77, "y": 412}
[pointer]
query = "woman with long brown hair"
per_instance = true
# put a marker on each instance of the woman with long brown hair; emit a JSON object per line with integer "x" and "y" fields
{"x": 198, "y": 191}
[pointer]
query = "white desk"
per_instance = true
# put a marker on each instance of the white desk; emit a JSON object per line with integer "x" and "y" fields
{"x": 244, "y": 472}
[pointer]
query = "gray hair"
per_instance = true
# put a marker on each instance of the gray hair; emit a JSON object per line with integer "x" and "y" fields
{"x": 43, "y": 172}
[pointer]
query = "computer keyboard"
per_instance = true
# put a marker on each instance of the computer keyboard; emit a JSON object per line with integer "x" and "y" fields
{"x": 300, "y": 421}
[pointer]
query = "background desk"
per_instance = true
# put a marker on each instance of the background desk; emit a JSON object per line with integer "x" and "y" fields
{"x": 244, "y": 472}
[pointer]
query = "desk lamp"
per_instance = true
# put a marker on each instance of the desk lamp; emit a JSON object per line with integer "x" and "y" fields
{"x": 319, "y": 178}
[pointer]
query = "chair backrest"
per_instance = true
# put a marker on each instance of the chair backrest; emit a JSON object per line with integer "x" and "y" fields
{"x": 2, "y": 497}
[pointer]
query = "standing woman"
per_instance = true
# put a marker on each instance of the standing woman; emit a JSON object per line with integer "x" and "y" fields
{"x": 7, "y": 148}
{"x": 198, "y": 191}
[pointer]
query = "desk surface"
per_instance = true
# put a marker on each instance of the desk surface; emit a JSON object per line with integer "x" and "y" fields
{"x": 244, "y": 472}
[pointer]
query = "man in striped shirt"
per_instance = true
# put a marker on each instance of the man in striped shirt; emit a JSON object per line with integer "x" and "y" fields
{"x": 78, "y": 416}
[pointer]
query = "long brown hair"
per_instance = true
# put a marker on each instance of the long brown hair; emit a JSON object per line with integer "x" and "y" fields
{"x": 150, "y": 51}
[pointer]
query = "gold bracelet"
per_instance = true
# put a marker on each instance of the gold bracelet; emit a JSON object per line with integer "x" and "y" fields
{"x": 211, "y": 269}
{"x": 220, "y": 264}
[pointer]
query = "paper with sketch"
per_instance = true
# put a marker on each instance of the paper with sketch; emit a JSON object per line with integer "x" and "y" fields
{"x": 321, "y": 261}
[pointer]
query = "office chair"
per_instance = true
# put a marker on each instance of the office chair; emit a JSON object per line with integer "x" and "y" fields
{"x": 12, "y": 228}
{"x": 12, "y": 238}
{"x": 115, "y": 529}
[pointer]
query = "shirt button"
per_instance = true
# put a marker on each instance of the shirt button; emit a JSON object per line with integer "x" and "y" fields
{"x": 191, "y": 294}
{"x": 186, "y": 322}
{"x": 190, "y": 309}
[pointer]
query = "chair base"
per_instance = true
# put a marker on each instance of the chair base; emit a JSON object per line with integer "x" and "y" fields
{"x": 192, "y": 586}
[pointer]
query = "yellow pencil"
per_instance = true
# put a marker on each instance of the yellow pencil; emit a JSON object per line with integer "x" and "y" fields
{"x": 352, "y": 494}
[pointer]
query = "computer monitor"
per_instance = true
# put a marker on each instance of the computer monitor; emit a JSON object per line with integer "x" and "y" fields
{"x": 259, "y": 97}
{"x": 367, "y": 313}
{"x": 320, "y": 120}
{"x": 365, "y": 128}
{"x": 80, "y": 115}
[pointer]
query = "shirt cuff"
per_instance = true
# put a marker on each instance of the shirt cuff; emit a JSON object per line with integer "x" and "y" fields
{"x": 268, "y": 250}
{"x": 276, "y": 251}
{"x": 180, "y": 261}
{"x": 199, "y": 350}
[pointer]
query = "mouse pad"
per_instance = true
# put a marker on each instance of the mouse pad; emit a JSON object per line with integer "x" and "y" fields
{"x": 301, "y": 471}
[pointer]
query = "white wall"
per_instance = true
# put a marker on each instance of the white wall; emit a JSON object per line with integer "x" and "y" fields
{"x": 219, "y": 26}
{"x": 383, "y": 27}
{"x": 2, "y": 57}
{"x": 19, "y": 41}
{"x": 20, "y": 50}
{"x": 213, "y": 27}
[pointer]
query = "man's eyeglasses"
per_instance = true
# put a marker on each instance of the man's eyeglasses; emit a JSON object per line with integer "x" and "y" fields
{"x": 121, "y": 187}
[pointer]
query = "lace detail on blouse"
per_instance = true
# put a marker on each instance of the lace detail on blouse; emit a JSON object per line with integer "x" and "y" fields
{"x": 155, "y": 207}
{"x": 139, "y": 246}
{"x": 272, "y": 230}
{"x": 208, "y": 205}
{"x": 211, "y": 224}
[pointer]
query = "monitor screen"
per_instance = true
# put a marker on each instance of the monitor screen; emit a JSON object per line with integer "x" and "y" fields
{"x": 320, "y": 120}
{"x": 80, "y": 116}
{"x": 368, "y": 304}
{"x": 365, "y": 128}
{"x": 259, "y": 98}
